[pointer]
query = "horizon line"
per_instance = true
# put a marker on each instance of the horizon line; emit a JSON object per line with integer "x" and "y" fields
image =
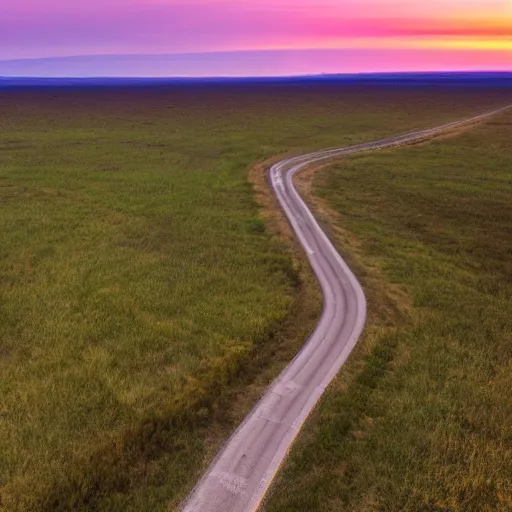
{"x": 320, "y": 75}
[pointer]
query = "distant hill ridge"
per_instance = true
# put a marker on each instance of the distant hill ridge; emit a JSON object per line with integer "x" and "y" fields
{"x": 263, "y": 63}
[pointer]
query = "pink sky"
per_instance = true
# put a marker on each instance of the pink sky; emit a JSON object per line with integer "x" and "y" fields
{"x": 53, "y": 28}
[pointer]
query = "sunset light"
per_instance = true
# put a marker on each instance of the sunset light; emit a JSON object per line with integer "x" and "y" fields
{"x": 255, "y": 255}
{"x": 58, "y": 28}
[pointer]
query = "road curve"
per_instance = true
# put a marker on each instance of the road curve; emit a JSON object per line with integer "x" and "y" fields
{"x": 239, "y": 477}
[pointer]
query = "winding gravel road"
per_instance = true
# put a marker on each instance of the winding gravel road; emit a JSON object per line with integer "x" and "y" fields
{"x": 240, "y": 475}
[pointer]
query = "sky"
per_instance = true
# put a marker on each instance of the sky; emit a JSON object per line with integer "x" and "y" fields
{"x": 252, "y": 37}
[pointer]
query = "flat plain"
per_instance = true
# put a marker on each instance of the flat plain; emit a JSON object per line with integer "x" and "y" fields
{"x": 420, "y": 419}
{"x": 142, "y": 295}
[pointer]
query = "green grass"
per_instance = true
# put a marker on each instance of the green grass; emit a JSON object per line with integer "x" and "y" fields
{"x": 140, "y": 290}
{"x": 421, "y": 418}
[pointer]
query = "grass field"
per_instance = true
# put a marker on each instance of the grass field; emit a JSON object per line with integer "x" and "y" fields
{"x": 141, "y": 293}
{"x": 421, "y": 418}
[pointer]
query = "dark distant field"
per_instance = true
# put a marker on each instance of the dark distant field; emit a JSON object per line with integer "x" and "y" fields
{"x": 141, "y": 293}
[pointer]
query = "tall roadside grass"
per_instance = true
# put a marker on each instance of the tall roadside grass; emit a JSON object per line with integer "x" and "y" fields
{"x": 421, "y": 419}
{"x": 141, "y": 293}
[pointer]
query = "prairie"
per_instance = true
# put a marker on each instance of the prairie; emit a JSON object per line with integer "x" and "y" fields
{"x": 141, "y": 293}
{"x": 420, "y": 419}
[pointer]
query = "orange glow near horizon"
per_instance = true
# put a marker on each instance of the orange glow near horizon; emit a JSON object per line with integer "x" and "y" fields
{"x": 29, "y": 29}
